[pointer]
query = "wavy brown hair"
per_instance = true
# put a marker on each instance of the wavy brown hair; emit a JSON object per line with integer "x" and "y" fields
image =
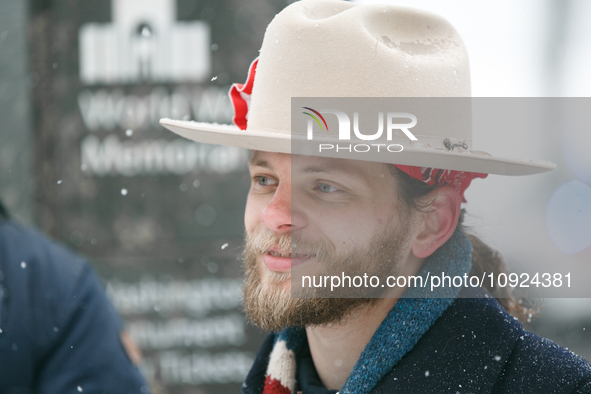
{"x": 414, "y": 194}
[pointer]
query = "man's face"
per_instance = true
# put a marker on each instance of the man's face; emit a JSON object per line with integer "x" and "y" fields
{"x": 321, "y": 216}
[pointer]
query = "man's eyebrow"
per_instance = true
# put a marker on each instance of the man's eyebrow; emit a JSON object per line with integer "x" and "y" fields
{"x": 260, "y": 163}
{"x": 317, "y": 169}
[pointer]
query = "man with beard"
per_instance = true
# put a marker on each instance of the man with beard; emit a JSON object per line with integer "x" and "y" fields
{"x": 281, "y": 247}
{"x": 311, "y": 215}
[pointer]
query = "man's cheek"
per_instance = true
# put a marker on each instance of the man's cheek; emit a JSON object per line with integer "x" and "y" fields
{"x": 251, "y": 216}
{"x": 255, "y": 205}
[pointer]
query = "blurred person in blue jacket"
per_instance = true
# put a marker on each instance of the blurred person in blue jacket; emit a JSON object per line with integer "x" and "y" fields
{"x": 58, "y": 331}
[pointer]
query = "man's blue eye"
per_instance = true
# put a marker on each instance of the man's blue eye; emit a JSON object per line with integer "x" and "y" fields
{"x": 325, "y": 188}
{"x": 264, "y": 181}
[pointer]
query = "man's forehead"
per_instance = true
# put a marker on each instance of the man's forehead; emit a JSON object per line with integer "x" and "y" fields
{"x": 267, "y": 159}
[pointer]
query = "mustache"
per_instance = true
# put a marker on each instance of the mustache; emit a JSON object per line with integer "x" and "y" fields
{"x": 286, "y": 245}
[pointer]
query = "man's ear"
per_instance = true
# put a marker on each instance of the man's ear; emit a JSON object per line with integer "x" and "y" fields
{"x": 438, "y": 223}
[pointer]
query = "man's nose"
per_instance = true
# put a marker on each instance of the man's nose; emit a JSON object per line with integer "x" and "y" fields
{"x": 279, "y": 215}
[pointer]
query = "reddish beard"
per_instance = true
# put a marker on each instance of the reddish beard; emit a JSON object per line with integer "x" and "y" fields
{"x": 271, "y": 306}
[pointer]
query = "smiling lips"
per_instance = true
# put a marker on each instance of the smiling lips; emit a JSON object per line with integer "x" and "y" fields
{"x": 276, "y": 260}
{"x": 278, "y": 254}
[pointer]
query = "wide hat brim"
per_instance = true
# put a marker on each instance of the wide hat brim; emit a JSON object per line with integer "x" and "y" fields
{"x": 280, "y": 142}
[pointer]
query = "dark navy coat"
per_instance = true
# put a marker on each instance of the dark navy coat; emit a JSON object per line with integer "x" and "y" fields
{"x": 474, "y": 347}
{"x": 60, "y": 334}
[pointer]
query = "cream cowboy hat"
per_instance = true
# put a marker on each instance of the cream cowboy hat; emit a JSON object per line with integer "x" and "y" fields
{"x": 331, "y": 48}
